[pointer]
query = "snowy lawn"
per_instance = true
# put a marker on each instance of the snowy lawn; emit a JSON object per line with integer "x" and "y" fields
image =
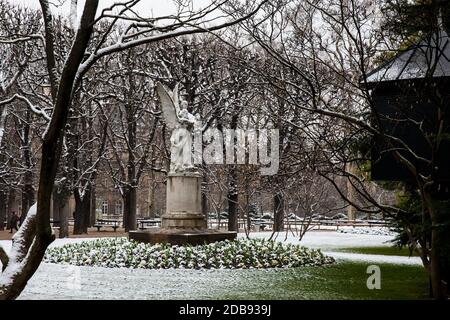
{"x": 345, "y": 280}
{"x": 402, "y": 277}
{"x": 331, "y": 243}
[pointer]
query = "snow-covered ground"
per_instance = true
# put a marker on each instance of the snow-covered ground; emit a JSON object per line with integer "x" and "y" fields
{"x": 327, "y": 240}
{"x": 53, "y": 281}
{"x": 379, "y": 231}
{"x": 68, "y": 282}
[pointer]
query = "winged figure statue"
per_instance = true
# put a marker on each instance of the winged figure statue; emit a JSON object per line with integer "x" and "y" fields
{"x": 181, "y": 121}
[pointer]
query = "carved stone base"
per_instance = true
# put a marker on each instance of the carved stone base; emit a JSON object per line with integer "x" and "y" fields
{"x": 181, "y": 236}
{"x": 183, "y": 220}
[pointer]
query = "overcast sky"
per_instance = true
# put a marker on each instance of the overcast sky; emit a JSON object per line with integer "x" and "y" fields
{"x": 145, "y": 7}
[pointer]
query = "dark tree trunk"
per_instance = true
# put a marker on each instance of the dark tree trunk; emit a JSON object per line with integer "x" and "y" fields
{"x": 27, "y": 195}
{"x": 12, "y": 206}
{"x": 278, "y": 212}
{"x": 3, "y": 199}
{"x": 126, "y": 208}
{"x": 27, "y": 190}
{"x": 129, "y": 215}
{"x": 233, "y": 198}
{"x": 82, "y": 212}
{"x": 61, "y": 213}
{"x": 93, "y": 207}
{"x": 87, "y": 210}
{"x": 64, "y": 220}
{"x": 129, "y": 209}
{"x": 440, "y": 249}
{"x": 247, "y": 204}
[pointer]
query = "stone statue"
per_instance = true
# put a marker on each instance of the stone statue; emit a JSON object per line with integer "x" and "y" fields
{"x": 184, "y": 221}
{"x": 182, "y": 122}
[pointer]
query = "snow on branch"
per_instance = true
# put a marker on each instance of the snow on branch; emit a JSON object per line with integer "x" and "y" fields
{"x": 37, "y": 110}
{"x": 21, "y": 243}
{"x": 22, "y": 38}
{"x": 180, "y": 27}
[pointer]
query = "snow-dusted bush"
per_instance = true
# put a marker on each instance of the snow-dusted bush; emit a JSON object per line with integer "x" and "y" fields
{"x": 237, "y": 254}
{"x": 378, "y": 231}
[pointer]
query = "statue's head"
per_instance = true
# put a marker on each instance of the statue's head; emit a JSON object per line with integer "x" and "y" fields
{"x": 184, "y": 105}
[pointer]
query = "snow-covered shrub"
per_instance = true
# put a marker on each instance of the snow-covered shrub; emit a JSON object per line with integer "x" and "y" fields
{"x": 236, "y": 254}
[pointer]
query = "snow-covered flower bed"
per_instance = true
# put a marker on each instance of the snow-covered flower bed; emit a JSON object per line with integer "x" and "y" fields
{"x": 237, "y": 254}
{"x": 378, "y": 231}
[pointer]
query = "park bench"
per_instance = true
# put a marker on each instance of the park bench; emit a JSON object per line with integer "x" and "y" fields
{"x": 100, "y": 223}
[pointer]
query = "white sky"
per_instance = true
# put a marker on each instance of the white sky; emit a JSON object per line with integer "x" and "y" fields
{"x": 146, "y": 8}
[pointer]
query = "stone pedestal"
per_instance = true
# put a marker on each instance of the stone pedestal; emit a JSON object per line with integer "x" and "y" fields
{"x": 184, "y": 203}
{"x": 183, "y": 222}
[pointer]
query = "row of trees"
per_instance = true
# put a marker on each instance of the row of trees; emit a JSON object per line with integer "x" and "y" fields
{"x": 71, "y": 56}
{"x": 114, "y": 127}
{"x": 298, "y": 66}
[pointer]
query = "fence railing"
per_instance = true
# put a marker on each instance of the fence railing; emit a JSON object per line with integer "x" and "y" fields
{"x": 266, "y": 224}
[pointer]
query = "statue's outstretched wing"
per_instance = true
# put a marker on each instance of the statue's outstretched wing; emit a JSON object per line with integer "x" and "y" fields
{"x": 175, "y": 99}
{"x": 168, "y": 105}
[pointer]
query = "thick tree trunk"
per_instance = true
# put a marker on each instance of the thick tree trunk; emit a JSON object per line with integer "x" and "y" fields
{"x": 93, "y": 207}
{"x": 64, "y": 220}
{"x": 233, "y": 198}
{"x": 130, "y": 199}
{"x": 27, "y": 195}
{"x": 61, "y": 214}
{"x": 27, "y": 190}
{"x": 440, "y": 249}
{"x": 87, "y": 210}
{"x": 351, "y": 210}
{"x": 133, "y": 207}
{"x": 55, "y": 207}
{"x": 126, "y": 208}
{"x": 64, "y": 223}
{"x": 12, "y": 206}
{"x": 82, "y": 212}
{"x": 3, "y": 199}
{"x": 27, "y": 252}
{"x": 437, "y": 285}
{"x": 247, "y": 204}
{"x": 129, "y": 209}
{"x": 78, "y": 217}
{"x": 278, "y": 212}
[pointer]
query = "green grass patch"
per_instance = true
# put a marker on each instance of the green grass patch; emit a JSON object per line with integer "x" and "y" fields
{"x": 388, "y": 251}
{"x": 339, "y": 281}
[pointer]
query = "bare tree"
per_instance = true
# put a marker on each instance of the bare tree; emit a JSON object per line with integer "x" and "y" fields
{"x": 35, "y": 234}
{"x": 330, "y": 61}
